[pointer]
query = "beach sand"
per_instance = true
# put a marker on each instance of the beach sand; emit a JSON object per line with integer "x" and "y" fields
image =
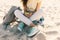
{"x": 51, "y": 29}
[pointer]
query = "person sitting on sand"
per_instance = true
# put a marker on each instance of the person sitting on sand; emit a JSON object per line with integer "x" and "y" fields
{"x": 31, "y": 13}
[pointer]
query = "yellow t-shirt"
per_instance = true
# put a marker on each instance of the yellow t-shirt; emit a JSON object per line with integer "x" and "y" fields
{"x": 31, "y": 4}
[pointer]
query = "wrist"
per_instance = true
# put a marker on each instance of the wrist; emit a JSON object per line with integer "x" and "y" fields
{"x": 32, "y": 24}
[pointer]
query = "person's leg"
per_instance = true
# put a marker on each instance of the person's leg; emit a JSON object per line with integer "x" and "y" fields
{"x": 9, "y": 17}
{"x": 7, "y": 20}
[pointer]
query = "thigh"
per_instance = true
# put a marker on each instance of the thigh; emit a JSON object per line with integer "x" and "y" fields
{"x": 9, "y": 18}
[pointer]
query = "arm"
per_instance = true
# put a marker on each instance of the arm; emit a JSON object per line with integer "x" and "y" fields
{"x": 38, "y": 6}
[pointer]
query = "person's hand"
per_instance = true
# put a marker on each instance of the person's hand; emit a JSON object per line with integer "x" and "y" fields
{"x": 32, "y": 25}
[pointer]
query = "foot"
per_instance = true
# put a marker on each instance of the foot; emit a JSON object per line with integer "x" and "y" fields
{"x": 21, "y": 26}
{"x": 32, "y": 31}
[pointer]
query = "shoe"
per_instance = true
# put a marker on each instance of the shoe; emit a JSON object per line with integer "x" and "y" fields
{"x": 32, "y": 31}
{"x": 21, "y": 26}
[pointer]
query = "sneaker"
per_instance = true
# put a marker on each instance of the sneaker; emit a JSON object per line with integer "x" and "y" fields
{"x": 32, "y": 31}
{"x": 21, "y": 26}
